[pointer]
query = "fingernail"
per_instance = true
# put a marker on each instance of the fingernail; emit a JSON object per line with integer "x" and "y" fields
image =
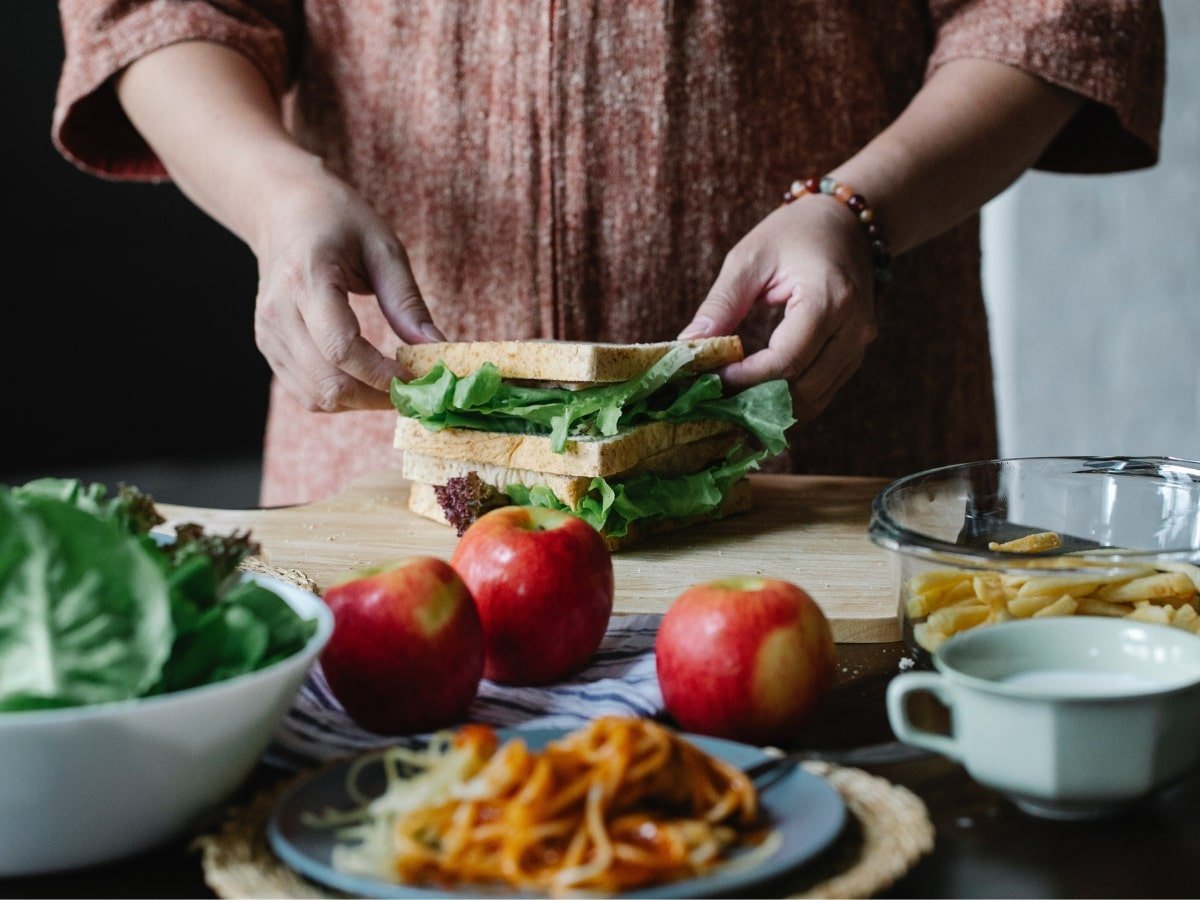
{"x": 699, "y": 327}
{"x": 431, "y": 332}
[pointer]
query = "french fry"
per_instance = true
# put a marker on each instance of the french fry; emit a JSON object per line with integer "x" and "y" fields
{"x": 1186, "y": 618}
{"x": 989, "y": 590}
{"x": 1063, "y": 606}
{"x": 934, "y": 581}
{"x": 964, "y": 590}
{"x": 1090, "y": 606}
{"x": 1191, "y": 571}
{"x": 999, "y": 615}
{"x": 1056, "y": 585}
{"x": 1011, "y": 584}
{"x": 917, "y": 606}
{"x": 1024, "y": 607}
{"x": 927, "y": 637}
{"x": 945, "y": 594}
{"x": 1151, "y": 613}
{"x": 954, "y": 600}
{"x": 953, "y": 619}
{"x": 1030, "y": 543}
{"x": 1172, "y": 601}
{"x": 1165, "y": 586}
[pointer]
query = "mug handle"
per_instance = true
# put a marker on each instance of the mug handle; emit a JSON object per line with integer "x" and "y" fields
{"x": 915, "y": 682}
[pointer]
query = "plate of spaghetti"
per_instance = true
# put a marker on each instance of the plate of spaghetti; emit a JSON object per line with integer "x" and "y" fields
{"x": 621, "y": 806}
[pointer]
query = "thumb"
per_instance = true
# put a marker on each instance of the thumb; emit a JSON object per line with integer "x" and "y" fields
{"x": 399, "y": 297}
{"x": 729, "y": 299}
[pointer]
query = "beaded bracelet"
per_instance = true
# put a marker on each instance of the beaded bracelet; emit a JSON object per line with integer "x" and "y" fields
{"x": 857, "y": 204}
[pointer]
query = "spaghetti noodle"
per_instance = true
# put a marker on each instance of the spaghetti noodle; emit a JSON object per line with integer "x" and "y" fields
{"x": 618, "y": 804}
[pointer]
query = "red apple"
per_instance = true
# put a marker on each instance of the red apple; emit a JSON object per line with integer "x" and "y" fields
{"x": 406, "y": 653}
{"x": 543, "y": 583}
{"x": 749, "y": 659}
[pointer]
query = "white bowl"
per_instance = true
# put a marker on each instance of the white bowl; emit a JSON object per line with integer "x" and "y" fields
{"x": 92, "y": 784}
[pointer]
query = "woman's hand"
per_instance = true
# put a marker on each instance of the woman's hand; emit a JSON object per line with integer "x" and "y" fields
{"x": 812, "y": 258}
{"x": 211, "y": 117}
{"x": 319, "y": 242}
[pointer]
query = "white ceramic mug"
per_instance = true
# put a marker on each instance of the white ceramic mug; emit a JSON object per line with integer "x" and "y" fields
{"x": 1071, "y": 717}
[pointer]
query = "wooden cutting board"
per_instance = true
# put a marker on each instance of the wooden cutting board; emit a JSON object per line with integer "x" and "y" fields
{"x": 806, "y": 529}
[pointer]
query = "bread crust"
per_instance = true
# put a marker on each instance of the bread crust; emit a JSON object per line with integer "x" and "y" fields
{"x": 581, "y": 457}
{"x": 570, "y": 489}
{"x": 572, "y": 362}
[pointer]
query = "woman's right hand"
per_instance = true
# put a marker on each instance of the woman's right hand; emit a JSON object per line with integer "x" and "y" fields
{"x": 212, "y": 119}
{"x": 318, "y": 242}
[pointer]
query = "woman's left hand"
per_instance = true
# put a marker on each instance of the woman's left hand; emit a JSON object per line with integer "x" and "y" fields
{"x": 812, "y": 258}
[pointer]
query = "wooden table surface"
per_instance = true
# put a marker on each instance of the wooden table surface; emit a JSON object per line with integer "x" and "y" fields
{"x": 985, "y": 847}
{"x": 803, "y": 528}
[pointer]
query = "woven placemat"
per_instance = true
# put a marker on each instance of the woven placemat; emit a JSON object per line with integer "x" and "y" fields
{"x": 888, "y": 832}
{"x": 259, "y": 566}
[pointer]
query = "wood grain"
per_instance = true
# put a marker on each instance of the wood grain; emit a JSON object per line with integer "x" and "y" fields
{"x": 810, "y": 530}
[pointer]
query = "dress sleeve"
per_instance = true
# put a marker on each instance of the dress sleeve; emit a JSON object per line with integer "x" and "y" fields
{"x": 90, "y": 128}
{"x": 1111, "y": 52}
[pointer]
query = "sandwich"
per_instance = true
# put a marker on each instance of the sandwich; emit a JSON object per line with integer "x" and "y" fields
{"x": 636, "y": 439}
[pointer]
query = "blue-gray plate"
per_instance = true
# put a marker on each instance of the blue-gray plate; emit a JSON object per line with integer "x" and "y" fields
{"x": 804, "y": 814}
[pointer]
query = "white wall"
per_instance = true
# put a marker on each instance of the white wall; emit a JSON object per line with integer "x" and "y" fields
{"x": 1093, "y": 288}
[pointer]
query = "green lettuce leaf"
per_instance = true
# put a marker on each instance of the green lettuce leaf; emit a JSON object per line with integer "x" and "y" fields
{"x": 484, "y": 401}
{"x": 85, "y": 609}
{"x": 130, "y": 509}
{"x": 94, "y": 609}
{"x": 765, "y": 410}
{"x": 614, "y": 507}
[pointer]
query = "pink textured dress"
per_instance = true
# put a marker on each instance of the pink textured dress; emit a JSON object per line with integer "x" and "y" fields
{"x": 579, "y": 169}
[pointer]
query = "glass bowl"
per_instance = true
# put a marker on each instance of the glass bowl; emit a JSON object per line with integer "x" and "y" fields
{"x": 974, "y": 544}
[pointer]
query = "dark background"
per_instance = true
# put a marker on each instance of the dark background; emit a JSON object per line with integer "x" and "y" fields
{"x": 128, "y": 314}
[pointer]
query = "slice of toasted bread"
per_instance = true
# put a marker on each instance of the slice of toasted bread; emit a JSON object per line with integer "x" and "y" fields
{"x": 423, "y": 501}
{"x": 570, "y": 489}
{"x": 572, "y": 362}
{"x": 582, "y": 457}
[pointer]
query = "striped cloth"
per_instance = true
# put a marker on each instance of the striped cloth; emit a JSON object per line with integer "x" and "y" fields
{"x": 620, "y": 680}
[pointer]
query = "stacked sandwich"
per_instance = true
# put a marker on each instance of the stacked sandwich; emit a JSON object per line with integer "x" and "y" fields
{"x": 634, "y": 438}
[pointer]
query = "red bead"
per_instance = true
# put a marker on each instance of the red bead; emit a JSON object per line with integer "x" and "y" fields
{"x": 857, "y": 202}
{"x": 788, "y": 197}
{"x": 812, "y": 185}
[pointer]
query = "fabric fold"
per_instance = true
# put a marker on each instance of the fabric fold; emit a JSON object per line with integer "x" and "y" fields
{"x": 620, "y": 680}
